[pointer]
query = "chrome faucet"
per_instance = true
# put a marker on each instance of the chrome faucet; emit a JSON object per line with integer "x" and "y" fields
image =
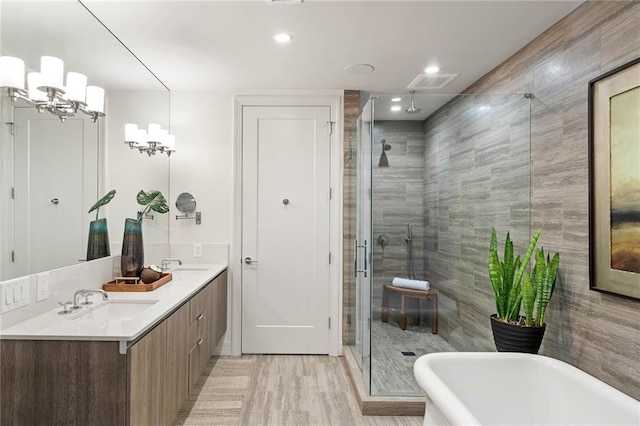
{"x": 164, "y": 263}
{"x": 79, "y": 293}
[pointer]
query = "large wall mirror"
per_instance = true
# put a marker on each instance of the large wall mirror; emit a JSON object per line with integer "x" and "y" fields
{"x": 53, "y": 172}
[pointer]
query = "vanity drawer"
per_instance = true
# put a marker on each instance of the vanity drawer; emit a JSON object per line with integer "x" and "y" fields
{"x": 199, "y": 303}
{"x": 197, "y": 328}
{"x": 197, "y": 359}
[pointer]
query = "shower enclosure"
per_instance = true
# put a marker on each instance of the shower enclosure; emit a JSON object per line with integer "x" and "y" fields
{"x": 430, "y": 185}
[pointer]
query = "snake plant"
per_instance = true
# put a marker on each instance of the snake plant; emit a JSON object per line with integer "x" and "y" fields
{"x": 506, "y": 276}
{"x": 538, "y": 287}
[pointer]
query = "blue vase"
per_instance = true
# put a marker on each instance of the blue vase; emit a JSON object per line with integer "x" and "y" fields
{"x": 98, "y": 245}
{"x": 132, "y": 260}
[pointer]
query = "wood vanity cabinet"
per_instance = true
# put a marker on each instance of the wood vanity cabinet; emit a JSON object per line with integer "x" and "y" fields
{"x": 91, "y": 383}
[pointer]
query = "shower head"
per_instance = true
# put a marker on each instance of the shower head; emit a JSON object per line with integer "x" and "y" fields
{"x": 412, "y": 109}
{"x": 384, "y": 162}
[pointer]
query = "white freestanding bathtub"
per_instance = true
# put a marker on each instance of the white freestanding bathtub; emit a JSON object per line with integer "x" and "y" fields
{"x": 467, "y": 388}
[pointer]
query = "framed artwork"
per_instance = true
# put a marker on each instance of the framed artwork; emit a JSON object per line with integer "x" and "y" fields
{"x": 614, "y": 167}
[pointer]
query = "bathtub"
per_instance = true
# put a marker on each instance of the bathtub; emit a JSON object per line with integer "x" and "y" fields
{"x": 477, "y": 388}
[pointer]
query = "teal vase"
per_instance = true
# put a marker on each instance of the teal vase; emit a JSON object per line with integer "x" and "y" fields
{"x": 98, "y": 245}
{"x": 132, "y": 259}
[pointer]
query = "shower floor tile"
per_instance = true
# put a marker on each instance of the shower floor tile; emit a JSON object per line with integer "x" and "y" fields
{"x": 391, "y": 371}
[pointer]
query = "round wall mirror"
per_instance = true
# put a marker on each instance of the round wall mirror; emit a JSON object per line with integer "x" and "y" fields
{"x": 185, "y": 203}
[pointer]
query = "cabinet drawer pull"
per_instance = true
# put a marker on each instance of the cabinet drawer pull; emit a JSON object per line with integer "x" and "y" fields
{"x": 200, "y": 317}
{"x": 200, "y": 341}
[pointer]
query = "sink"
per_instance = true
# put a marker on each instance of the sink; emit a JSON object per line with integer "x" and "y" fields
{"x": 115, "y": 310}
{"x": 190, "y": 268}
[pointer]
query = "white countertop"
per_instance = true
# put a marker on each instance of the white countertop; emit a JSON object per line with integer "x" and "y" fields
{"x": 187, "y": 281}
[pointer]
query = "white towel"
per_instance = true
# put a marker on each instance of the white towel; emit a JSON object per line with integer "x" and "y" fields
{"x": 413, "y": 284}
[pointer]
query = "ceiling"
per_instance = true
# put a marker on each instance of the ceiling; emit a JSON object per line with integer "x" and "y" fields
{"x": 228, "y": 45}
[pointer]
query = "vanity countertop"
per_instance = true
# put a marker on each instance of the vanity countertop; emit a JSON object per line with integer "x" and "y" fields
{"x": 187, "y": 281}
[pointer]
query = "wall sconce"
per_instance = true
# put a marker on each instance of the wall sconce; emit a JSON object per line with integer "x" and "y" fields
{"x": 45, "y": 90}
{"x": 156, "y": 139}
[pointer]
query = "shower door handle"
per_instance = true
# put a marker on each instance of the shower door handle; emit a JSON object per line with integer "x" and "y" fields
{"x": 355, "y": 265}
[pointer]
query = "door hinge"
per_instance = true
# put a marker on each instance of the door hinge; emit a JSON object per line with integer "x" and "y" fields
{"x": 13, "y": 256}
{"x": 12, "y": 126}
{"x": 331, "y": 123}
{"x": 13, "y": 193}
{"x": 330, "y": 193}
{"x": 329, "y": 323}
{"x": 329, "y": 258}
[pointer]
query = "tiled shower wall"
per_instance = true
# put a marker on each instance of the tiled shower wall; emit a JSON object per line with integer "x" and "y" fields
{"x": 397, "y": 201}
{"x": 476, "y": 177}
{"x": 598, "y": 333}
{"x": 351, "y": 113}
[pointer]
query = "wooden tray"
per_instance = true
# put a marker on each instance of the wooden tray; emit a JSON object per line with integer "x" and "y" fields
{"x": 121, "y": 284}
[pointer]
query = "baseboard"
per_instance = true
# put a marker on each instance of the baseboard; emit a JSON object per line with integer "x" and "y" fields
{"x": 379, "y": 405}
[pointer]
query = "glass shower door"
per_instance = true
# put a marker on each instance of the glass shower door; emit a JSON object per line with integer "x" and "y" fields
{"x": 362, "y": 267}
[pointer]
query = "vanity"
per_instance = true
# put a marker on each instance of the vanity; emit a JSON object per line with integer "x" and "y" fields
{"x": 130, "y": 360}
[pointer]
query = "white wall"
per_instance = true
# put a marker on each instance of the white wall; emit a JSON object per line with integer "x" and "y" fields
{"x": 203, "y": 164}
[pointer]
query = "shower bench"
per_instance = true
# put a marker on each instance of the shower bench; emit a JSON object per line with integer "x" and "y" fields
{"x": 430, "y": 294}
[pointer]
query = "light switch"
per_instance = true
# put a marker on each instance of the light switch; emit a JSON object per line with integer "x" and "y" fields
{"x": 16, "y": 292}
{"x": 8, "y": 294}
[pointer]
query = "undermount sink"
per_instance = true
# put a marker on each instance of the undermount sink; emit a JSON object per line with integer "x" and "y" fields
{"x": 115, "y": 310}
{"x": 189, "y": 268}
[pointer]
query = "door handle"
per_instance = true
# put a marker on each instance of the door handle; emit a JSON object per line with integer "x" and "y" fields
{"x": 249, "y": 261}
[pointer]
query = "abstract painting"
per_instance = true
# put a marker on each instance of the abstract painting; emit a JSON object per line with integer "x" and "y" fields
{"x": 614, "y": 166}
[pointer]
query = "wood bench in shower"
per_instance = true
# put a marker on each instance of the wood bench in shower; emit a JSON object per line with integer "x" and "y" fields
{"x": 430, "y": 294}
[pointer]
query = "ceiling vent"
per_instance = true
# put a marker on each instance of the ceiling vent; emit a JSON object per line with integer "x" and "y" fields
{"x": 431, "y": 81}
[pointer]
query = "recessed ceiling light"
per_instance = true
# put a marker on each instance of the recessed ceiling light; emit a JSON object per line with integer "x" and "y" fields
{"x": 396, "y": 99}
{"x": 282, "y": 37}
{"x": 396, "y": 108}
{"x": 431, "y": 70}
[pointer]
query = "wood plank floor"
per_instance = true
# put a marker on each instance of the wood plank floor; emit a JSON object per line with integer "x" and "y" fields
{"x": 278, "y": 390}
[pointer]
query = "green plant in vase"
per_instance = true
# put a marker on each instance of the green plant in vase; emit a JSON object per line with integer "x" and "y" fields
{"x": 132, "y": 259}
{"x": 517, "y": 290}
{"x": 98, "y": 242}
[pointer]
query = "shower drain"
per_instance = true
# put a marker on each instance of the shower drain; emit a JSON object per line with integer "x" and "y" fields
{"x": 408, "y": 353}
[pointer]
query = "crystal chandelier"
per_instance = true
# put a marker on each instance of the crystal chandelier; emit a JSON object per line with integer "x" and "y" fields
{"x": 45, "y": 90}
{"x": 155, "y": 140}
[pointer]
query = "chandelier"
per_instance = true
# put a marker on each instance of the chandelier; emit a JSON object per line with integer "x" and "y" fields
{"x": 45, "y": 89}
{"x": 151, "y": 141}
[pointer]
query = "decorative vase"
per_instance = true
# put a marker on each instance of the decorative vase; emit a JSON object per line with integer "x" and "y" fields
{"x": 516, "y": 338}
{"x": 132, "y": 260}
{"x": 98, "y": 245}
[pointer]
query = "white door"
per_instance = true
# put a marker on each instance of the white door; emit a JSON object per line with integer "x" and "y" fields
{"x": 55, "y": 184}
{"x": 285, "y": 229}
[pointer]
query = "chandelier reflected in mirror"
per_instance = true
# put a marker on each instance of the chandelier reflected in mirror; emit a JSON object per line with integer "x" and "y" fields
{"x": 151, "y": 141}
{"x": 46, "y": 91}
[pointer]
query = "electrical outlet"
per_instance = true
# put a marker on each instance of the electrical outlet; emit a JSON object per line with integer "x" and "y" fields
{"x": 42, "y": 288}
{"x": 197, "y": 250}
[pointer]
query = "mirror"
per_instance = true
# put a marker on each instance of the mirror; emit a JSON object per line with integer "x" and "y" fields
{"x": 185, "y": 203}
{"x": 57, "y": 171}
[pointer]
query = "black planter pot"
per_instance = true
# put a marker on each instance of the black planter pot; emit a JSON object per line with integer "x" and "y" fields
{"x": 515, "y": 338}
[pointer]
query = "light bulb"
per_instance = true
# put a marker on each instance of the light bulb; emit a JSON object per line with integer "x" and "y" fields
{"x": 11, "y": 72}
{"x": 52, "y": 70}
{"x": 76, "y": 87}
{"x": 130, "y": 132}
{"x": 34, "y": 80}
{"x": 95, "y": 99}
